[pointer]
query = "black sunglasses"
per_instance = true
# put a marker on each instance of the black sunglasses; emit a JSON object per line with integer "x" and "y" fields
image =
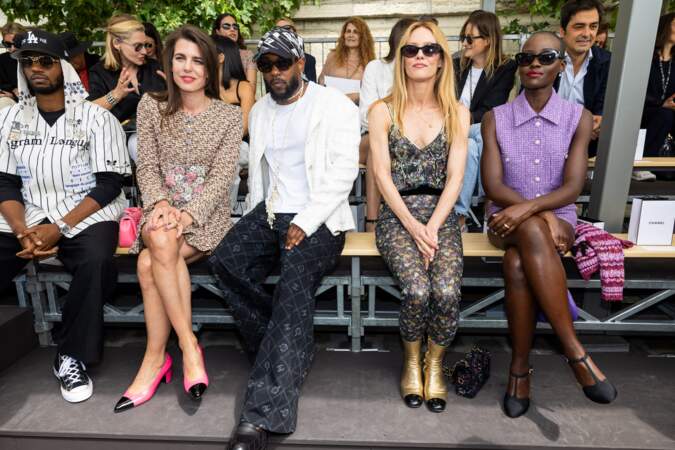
{"x": 227, "y": 26}
{"x": 266, "y": 65}
{"x": 545, "y": 58}
{"x": 43, "y": 60}
{"x": 469, "y": 39}
{"x": 8, "y": 44}
{"x": 410, "y": 51}
{"x": 289, "y": 28}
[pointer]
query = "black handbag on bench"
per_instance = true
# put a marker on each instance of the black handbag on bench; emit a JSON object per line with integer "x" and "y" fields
{"x": 471, "y": 373}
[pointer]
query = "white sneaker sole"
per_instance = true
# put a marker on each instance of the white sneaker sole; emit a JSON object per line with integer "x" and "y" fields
{"x": 78, "y": 394}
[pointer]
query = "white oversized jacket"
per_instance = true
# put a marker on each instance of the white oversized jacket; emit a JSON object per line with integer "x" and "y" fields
{"x": 331, "y": 159}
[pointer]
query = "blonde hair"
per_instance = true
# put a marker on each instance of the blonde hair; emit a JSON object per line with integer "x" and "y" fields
{"x": 488, "y": 27}
{"x": 121, "y": 27}
{"x": 366, "y": 42}
{"x": 12, "y": 28}
{"x": 444, "y": 86}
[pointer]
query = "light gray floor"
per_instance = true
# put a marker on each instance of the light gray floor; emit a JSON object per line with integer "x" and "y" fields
{"x": 348, "y": 400}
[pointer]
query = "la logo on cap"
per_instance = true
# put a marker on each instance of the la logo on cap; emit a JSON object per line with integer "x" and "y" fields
{"x": 31, "y": 38}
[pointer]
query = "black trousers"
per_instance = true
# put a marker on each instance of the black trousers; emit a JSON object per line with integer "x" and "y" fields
{"x": 277, "y": 328}
{"x": 88, "y": 257}
{"x": 659, "y": 122}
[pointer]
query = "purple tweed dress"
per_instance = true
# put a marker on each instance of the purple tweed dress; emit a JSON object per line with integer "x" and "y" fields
{"x": 534, "y": 147}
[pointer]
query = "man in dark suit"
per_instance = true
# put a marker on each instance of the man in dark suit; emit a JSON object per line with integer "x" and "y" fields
{"x": 584, "y": 79}
{"x": 310, "y": 61}
{"x": 8, "y": 83}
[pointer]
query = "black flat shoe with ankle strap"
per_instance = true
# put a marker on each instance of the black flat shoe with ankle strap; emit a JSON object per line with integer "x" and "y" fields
{"x": 514, "y": 406}
{"x": 602, "y": 391}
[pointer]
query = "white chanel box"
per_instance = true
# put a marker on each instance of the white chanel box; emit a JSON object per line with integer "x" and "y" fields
{"x": 651, "y": 221}
{"x": 640, "y": 148}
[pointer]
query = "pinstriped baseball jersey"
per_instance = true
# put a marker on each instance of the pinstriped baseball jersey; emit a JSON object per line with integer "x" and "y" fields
{"x": 57, "y": 164}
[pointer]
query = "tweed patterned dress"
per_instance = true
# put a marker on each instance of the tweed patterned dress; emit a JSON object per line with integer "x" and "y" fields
{"x": 190, "y": 161}
{"x": 429, "y": 297}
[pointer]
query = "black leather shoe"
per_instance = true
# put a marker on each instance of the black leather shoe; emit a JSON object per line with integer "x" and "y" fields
{"x": 197, "y": 391}
{"x": 248, "y": 437}
{"x": 123, "y": 404}
{"x": 436, "y": 405}
{"x": 514, "y": 406}
{"x": 602, "y": 391}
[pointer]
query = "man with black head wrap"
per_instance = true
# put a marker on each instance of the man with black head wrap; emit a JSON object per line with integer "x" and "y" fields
{"x": 303, "y": 162}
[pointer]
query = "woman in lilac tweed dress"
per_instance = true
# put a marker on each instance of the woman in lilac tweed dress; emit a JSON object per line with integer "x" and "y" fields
{"x": 533, "y": 168}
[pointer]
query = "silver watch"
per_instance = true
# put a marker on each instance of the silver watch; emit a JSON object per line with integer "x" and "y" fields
{"x": 64, "y": 228}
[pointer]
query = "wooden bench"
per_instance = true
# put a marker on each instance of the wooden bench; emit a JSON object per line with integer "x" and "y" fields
{"x": 647, "y": 163}
{"x": 362, "y": 273}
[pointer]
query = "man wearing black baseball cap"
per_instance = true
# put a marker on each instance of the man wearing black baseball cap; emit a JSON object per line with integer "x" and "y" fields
{"x": 62, "y": 160}
{"x": 304, "y": 154}
{"x": 80, "y": 59}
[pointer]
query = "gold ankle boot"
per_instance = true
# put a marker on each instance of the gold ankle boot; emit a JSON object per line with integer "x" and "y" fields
{"x": 412, "y": 388}
{"x": 435, "y": 385}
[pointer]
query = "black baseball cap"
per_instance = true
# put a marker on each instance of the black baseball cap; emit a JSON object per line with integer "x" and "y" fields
{"x": 40, "y": 41}
{"x": 73, "y": 46}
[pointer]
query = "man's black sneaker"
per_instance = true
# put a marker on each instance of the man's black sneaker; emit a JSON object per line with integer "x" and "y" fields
{"x": 76, "y": 386}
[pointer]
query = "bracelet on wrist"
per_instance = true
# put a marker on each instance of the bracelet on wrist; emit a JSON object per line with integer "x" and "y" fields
{"x": 111, "y": 99}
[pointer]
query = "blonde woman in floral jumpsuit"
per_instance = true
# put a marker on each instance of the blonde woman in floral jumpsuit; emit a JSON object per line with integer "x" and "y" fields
{"x": 418, "y": 141}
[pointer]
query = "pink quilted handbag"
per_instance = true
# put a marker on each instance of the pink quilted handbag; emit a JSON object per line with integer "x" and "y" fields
{"x": 129, "y": 226}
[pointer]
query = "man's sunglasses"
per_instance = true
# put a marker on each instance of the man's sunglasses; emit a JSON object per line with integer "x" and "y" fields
{"x": 43, "y": 60}
{"x": 469, "y": 39}
{"x": 266, "y": 65}
{"x": 227, "y": 26}
{"x": 410, "y": 51}
{"x": 545, "y": 58}
{"x": 8, "y": 44}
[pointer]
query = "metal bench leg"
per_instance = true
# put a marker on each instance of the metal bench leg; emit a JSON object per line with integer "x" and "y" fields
{"x": 36, "y": 290}
{"x": 356, "y": 330}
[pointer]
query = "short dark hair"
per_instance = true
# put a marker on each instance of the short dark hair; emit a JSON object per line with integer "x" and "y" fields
{"x": 572, "y": 7}
{"x": 552, "y": 35}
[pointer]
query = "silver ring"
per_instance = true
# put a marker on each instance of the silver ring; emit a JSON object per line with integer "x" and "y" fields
{"x": 506, "y": 225}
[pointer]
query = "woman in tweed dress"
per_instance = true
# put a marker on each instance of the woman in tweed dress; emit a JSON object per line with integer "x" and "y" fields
{"x": 188, "y": 151}
{"x": 533, "y": 167}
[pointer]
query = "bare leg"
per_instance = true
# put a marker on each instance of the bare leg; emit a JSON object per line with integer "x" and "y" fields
{"x": 545, "y": 275}
{"x": 373, "y": 196}
{"x": 156, "y": 324}
{"x": 172, "y": 280}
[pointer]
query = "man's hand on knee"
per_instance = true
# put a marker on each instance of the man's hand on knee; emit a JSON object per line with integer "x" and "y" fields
{"x": 294, "y": 236}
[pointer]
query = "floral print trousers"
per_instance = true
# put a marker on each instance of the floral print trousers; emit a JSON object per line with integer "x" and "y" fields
{"x": 429, "y": 297}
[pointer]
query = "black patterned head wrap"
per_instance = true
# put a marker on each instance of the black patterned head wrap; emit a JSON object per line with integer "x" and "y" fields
{"x": 281, "y": 42}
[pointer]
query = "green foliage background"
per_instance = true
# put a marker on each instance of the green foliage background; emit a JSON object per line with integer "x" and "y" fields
{"x": 88, "y": 17}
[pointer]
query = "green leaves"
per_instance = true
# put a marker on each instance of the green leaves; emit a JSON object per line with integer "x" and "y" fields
{"x": 87, "y": 18}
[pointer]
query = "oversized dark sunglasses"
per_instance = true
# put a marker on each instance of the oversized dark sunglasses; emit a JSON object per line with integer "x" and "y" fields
{"x": 266, "y": 65}
{"x": 469, "y": 39}
{"x": 545, "y": 58}
{"x": 8, "y": 44}
{"x": 410, "y": 51}
{"x": 227, "y": 26}
{"x": 43, "y": 60}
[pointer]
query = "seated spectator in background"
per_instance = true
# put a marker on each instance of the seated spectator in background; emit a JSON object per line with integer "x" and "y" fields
{"x": 602, "y": 38}
{"x": 345, "y": 64}
{"x": 584, "y": 78}
{"x": 418, "y": 138}
{"x": 304, "y": 160}
{"x": 125, "y": 73}
{"x": 484, "y": 78}
{"x": 226, "y": 25}
{"x": 153, "y": 42}
{"x": 378, "y": 78}
{"x": 61, "y": 194}
{"x": 8, "y": 82}
{"x": 188, "y": 151}
{"x": 658, "y": 116}
{"x": 310, "y": 61}
{"x": 78, "y": 56}
{"x": 533, "y": 168}
{"x": 235, "y": 90}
